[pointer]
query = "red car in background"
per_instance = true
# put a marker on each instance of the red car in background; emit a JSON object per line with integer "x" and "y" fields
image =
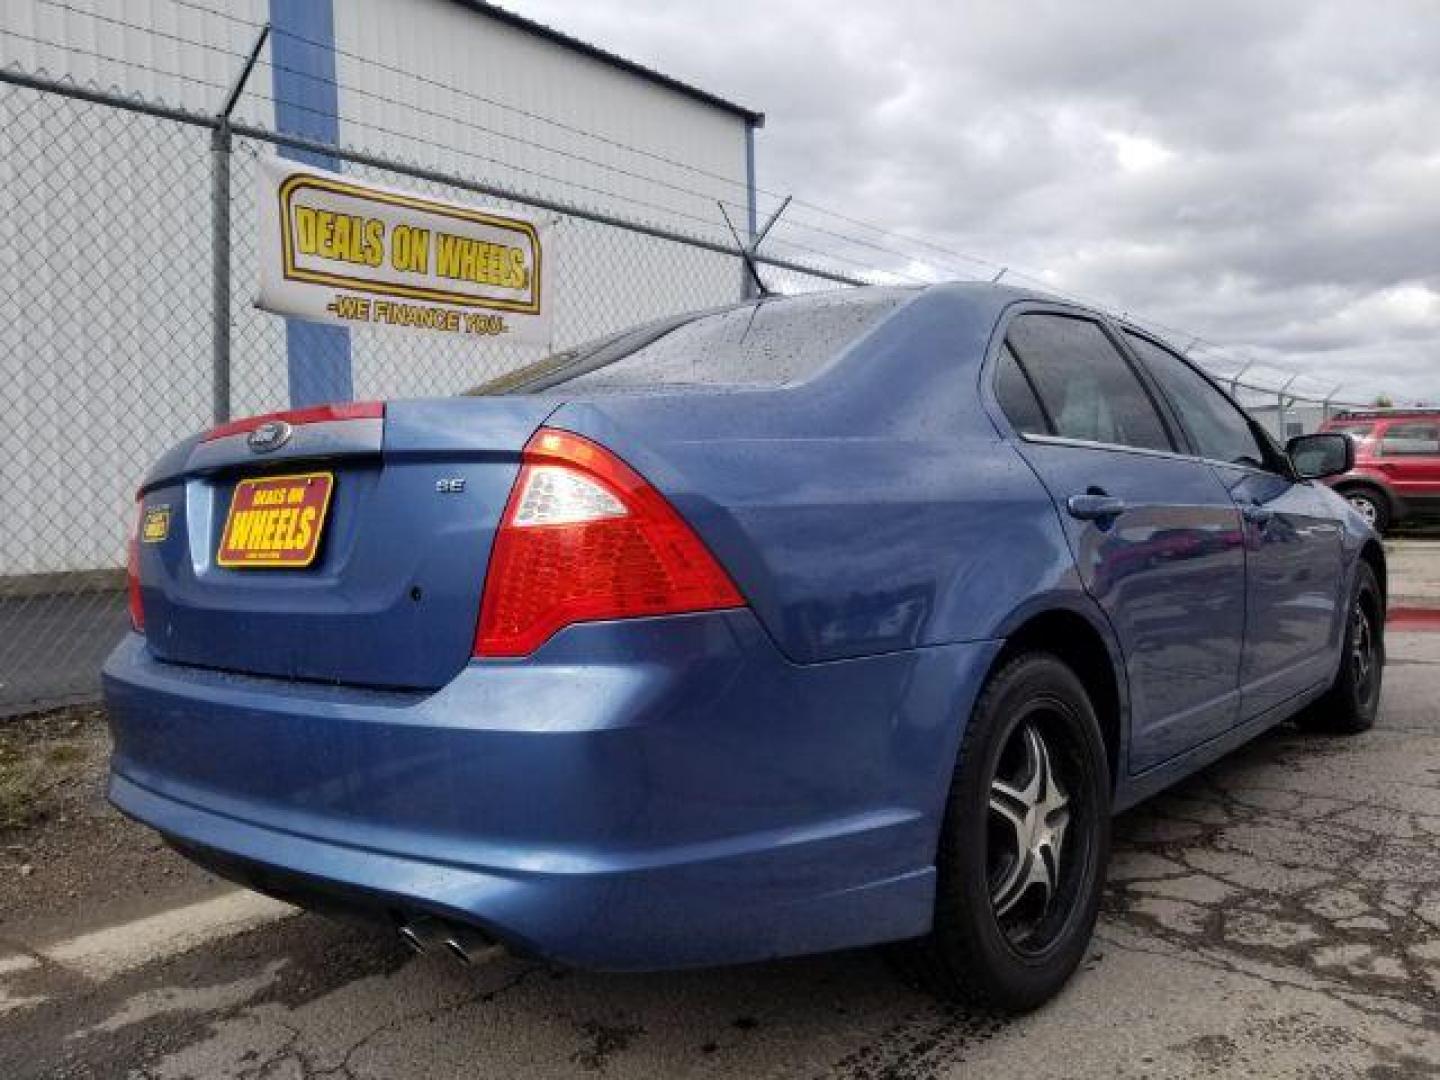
{"x": 1397, "y": 463}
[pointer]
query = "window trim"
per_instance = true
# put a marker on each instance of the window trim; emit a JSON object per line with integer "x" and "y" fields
{"x": 1178, "y": 441}
{"x": 1046, "y": 418}
{"x": 1185, "y": 450}
{"x": 1178, "y": 455}
{"x": 1281, "y": 466}
{"x": 1090, "y": 444}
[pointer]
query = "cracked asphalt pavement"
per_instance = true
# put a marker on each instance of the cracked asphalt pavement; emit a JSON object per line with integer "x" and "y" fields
{"x": 1277, "y": 915}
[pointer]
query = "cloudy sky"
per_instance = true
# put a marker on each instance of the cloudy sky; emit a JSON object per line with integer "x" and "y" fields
{"x": 1264, "y": 175}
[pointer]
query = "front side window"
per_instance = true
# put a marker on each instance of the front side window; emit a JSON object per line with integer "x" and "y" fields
{"x": 1401, "y": 439}
{"x": 1086, "y": 388}
{"x": 1216, "y": 426}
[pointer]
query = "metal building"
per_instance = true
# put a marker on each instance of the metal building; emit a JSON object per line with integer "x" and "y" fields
{"x": 107, "y": 246}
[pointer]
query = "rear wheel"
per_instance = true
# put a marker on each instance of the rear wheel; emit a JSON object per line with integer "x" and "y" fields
{"x": 1370, "y": 505}
{"x": 1024, "y": 844}
{"x": 1350, "y": 705}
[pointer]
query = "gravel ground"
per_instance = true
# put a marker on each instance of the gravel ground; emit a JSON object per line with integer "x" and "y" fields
{"x": 1277, "y": 915}
{"x": 64, "y": 852}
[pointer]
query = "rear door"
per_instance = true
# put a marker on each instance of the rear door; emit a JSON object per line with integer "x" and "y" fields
{"x": 1409, "y": 457}
{"x": 1155, "y": 534}
{"x": 1292, "y": 538}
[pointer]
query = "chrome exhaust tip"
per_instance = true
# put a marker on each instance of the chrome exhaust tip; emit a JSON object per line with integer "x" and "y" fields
{"x": 457, "y": 951}
{"x": 468, "y": 946}
{"x": 463, "y": 944}
{"x": 419, "y": 934}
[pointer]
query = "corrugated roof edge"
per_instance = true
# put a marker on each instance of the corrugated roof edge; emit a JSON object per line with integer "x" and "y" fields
{"x": 499, "y": 14}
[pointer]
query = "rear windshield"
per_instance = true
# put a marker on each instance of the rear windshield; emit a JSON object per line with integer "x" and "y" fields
{"x": 772, "y": 342}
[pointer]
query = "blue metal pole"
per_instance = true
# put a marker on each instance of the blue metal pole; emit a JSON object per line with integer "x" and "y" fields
{"x": 302, "y": 51}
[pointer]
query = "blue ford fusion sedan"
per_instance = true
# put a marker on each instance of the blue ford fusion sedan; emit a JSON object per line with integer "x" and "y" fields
{"x": 794, "y": 625}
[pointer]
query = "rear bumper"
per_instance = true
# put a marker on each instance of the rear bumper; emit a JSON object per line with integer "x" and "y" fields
{"x": 644, "y": 794}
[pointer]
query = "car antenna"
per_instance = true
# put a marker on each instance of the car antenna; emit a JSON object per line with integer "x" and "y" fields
{"x": 747, "y": 251}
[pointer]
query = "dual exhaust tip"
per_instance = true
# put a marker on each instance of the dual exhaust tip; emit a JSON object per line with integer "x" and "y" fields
{"x": 460, "y": 943}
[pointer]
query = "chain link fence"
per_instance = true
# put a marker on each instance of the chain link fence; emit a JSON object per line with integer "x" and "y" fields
{"x": 106, "y": 337}
{"x": 109, "y": 225}
{"x": 104, "y": 357}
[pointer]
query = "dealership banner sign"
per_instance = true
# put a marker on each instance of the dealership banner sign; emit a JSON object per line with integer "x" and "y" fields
{"x": 338, "y": 250}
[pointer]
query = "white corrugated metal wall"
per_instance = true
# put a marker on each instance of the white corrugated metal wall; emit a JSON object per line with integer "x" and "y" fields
{"x": 104, "y": 222}
{"x": 591, "y": 109}
{"x": 85, "y": 271}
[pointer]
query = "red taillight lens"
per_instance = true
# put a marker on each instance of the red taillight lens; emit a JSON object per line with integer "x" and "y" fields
{"x": 584, "y": 537}
{"x": 132, "y": 573}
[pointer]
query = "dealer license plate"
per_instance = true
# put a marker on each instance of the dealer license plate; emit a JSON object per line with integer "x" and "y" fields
{"x": 275, "y": 521}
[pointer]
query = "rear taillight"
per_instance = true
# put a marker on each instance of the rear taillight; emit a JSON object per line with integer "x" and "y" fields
{"x": 135, "y": 601}
{"x": 584, "y": 537}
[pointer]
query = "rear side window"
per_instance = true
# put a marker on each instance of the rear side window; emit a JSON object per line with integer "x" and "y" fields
{"x": 1085, "y": 387}
{"x": 775, "y": 342}
{"x": 1218, "y": 428}
{"x": 1017, "y": 398}
{"x": 1403, "y": 439}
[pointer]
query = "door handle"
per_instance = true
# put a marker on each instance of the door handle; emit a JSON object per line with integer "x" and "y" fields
{"x": 1256, "y": 514}
{"x": 1094, "y": 505}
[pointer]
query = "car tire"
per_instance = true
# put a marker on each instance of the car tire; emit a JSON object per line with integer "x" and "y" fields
{"x": 1350, "y": 705}
{"x": 1371, "y": 504}
{"x": 1015, "y": 905}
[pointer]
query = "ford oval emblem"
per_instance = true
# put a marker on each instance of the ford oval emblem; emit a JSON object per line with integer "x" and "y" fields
{"x": 270, "y": 435}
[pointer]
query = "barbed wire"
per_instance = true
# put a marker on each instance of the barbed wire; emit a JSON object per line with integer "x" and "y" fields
{"x": 471, "y": 125}
{"x": 509, "y": 107}
{"x": 899, "y": 246}
{"x": 449, "y": 148}
{"x": 139, "y": 65}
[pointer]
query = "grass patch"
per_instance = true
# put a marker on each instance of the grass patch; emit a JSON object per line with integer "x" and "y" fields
{"x": 43, "y": 759}
{"x": 19, "y": 783}
{"x": 65, "y": 754}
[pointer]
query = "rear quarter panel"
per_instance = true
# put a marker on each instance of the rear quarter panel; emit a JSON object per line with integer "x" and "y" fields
{"x": 873, "y": 509}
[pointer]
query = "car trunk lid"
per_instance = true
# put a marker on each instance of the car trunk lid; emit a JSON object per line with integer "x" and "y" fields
{"x": 390, "y": 593}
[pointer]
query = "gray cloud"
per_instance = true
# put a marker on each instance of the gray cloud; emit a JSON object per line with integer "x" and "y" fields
{"x": 1264, "y": 175}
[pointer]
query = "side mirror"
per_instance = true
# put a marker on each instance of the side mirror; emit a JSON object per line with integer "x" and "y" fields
{"x": 1316, "y": 456}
